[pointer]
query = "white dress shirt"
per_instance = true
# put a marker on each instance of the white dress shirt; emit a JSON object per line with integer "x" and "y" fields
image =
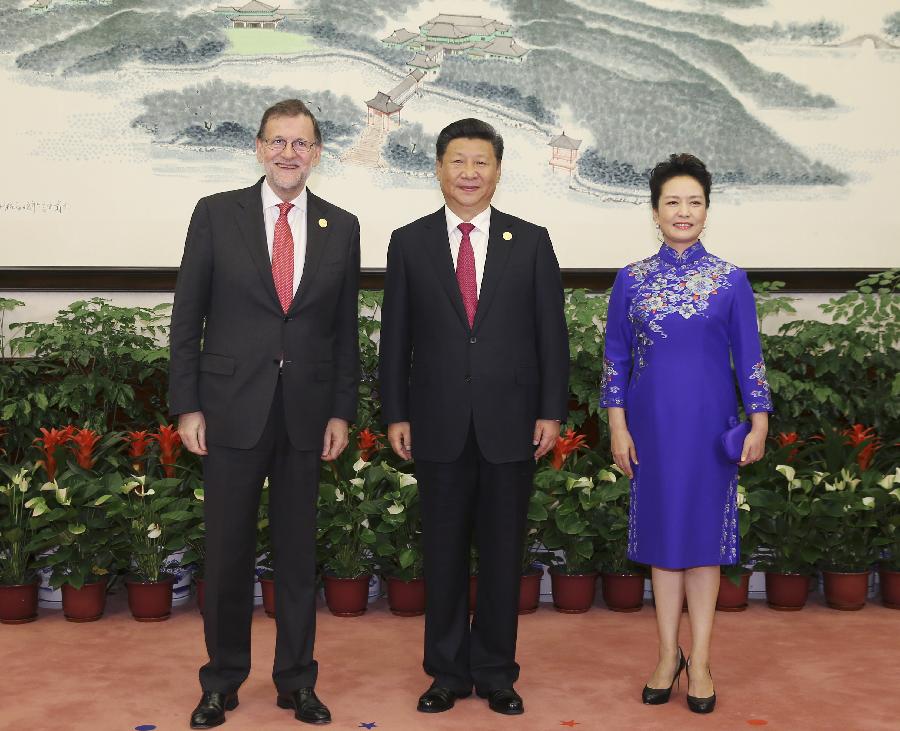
{"x": 478, "y": 237}
{"x": 296, "y": 220}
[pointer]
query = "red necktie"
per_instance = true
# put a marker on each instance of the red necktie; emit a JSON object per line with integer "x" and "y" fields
{"x": 283, "y": 257}
{"x": 465, "y": 272}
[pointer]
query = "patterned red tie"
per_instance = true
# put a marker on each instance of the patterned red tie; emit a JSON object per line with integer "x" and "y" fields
{"x": 283, "y": 257}
{"x": 465, "y": 272}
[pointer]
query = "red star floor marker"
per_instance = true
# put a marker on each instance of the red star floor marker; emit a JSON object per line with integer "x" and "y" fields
{"x": 570, "y": 724}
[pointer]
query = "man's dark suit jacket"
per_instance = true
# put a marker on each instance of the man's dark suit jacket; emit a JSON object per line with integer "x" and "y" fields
{"x": 229, "y": 332}
{"x": 510, "y": 369}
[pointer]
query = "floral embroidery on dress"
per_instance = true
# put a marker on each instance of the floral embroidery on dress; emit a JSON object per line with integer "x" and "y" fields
{"x": 632, "y": 518}
{"x": 683, "y": 289}
{"x": 728, "y": 545}
{"x": 758, "y": 375}
{"x": 609, "y": 388}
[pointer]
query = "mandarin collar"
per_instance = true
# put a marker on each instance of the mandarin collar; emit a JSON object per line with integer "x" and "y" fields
{"x": 690, "y": 254}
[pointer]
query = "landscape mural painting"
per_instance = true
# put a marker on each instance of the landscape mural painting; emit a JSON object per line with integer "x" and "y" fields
{"x": 118, "y": 115}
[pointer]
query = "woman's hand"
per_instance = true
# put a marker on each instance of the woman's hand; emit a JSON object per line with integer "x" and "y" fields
{"x": 622, "y": 444}
{"x": 755, "y": 441}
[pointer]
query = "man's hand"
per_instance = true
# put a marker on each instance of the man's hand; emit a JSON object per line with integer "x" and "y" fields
{"x": 337, "y": 437}
{"x": 399, "y": 435}
{"x": 192, "y": 430}
{"x": 546, "y": 432}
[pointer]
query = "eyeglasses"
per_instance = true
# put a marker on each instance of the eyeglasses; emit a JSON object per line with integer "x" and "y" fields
{"x": 300, "y": 147}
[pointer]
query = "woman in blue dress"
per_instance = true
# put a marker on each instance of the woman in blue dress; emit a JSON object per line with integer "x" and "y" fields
{"x": 676, "y": 322}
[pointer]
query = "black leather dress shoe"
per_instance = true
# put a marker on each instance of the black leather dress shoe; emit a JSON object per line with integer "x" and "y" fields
{"x": 438, "y": 699}
{"x": 210, "y": 711}
{"x": 307, "y": 707}
{"x": 505, "y": 701}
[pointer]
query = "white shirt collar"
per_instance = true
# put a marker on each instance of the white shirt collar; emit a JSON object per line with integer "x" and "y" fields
{"x": 481, "y": 221}
{"x": 270, "y": 198}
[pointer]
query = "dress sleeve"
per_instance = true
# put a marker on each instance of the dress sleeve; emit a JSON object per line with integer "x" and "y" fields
{"x": 746, "y": 349}
{"x": 617, "y": 355}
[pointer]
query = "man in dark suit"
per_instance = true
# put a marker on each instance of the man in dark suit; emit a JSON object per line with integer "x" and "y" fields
{"x": 474, "y": 373}
{"x": 264, "y": 378}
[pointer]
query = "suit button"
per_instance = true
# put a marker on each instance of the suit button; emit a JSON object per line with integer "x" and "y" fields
{"x": 473, "y": 340}
{"x": 468, "y": 379}
{"x": 288, "y": 319}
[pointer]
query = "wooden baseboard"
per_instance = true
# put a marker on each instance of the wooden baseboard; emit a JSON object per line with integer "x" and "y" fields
{"x": 162, "y": 279}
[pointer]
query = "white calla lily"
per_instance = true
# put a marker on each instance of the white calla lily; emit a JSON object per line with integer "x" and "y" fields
{"x": 406, "y": 479}
{"x": 338, "y": 495}
{"x": 395, "y": 509}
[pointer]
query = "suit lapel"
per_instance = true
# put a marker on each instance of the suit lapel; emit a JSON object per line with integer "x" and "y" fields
{"x": 253, "y": 234}
{"x": 442, "y": 260}
{"x": 316, "y": 239}
{"x": 498, "y": 251}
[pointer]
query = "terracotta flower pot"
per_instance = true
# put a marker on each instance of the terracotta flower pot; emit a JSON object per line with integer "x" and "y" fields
{"x": 85, "y": 604}
{"x": 733, "y": 598}
{"x": 530, "y": 590}
{"x": 406, "y": 598}
{"x": 150, "y": 601}
{"x": 786, "y": 592}
{"x": 473, "y": 592}
{"x": 890, "y": 587}
{"x": 201, "y": 594}
{"x": 268, "y": 595}
{"x": 347, "y": 597}
{"x": 573, "y": 593}
{"x": 18, "y": 603}
{"x": 846, "y": 590}
{"x": 623, "y": 592}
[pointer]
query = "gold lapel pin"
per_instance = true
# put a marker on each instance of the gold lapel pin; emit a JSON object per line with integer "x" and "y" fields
{"x": 323, "y": 223}
{"x": 507, "y": 236}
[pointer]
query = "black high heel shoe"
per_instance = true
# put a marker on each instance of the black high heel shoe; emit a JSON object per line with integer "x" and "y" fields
{"x": 701, "y": 705}
{"x": 658, "y": 696}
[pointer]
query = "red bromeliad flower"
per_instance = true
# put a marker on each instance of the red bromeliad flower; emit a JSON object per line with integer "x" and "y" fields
{"x": 566, "y": 444}
{"x": 784, "y": 439}
{"x": 82, "y": 443}
{"x": 858, "y": 435}
{"x": 138, "y": 441}
{"x": 48, "y": 444}
{"x": 169, "y": 447}
{"x": 369, "y": 443}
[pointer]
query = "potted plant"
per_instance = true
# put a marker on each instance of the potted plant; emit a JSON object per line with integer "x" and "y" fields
{"x": 622, "y": 579}
{"x": 846, "y": 513}
{"x": 534, "y": 555}
{"x": 887, "y": 514}
{"x": 154, "y": 515}
{"x": 265, "y": 555}
{"x": 18, "y": 583}
{"x": 785, "y": 531}
{"x": 346, "y": 537}
{"x": 194, "y": 558}
{"x": 71, "y": 517}
{"x": 571, "y": 530}
{"x": 398, "y": 545}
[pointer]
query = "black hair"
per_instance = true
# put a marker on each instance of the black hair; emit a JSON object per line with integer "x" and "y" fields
{"x": 676, "y": 165}
{"x": 472, "y": 129}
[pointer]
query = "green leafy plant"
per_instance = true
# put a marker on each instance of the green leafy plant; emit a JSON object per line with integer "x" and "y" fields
{"x": 398, "y": 545}
{"x": 585, "y": 317}
{"x": 16, "y": 551}
{"x": 80, "y": 541}
{"x": 611, "y": 520}
{"x": 95, "y": 354}
{"x": 346, "y": 514}
{"x": 887, "y": 515}
{"x": 155, "y": 516}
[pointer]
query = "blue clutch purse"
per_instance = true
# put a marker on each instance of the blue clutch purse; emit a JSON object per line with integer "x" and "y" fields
{"x": 733, "y": 438}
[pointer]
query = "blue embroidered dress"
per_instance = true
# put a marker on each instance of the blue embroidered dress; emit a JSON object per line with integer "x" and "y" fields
{"x": 674, "y": 325}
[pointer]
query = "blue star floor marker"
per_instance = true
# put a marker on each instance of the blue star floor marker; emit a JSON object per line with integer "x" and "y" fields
{"x": 145, "y": 727}
{"x": 370, "y": 724}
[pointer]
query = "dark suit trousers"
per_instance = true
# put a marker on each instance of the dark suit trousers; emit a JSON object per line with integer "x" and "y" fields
{"x": 472, "y": 495}
{"x": 233, "y": 481}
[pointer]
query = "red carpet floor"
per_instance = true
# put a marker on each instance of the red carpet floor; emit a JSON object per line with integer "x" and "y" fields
{"x": 818, "y": 669}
